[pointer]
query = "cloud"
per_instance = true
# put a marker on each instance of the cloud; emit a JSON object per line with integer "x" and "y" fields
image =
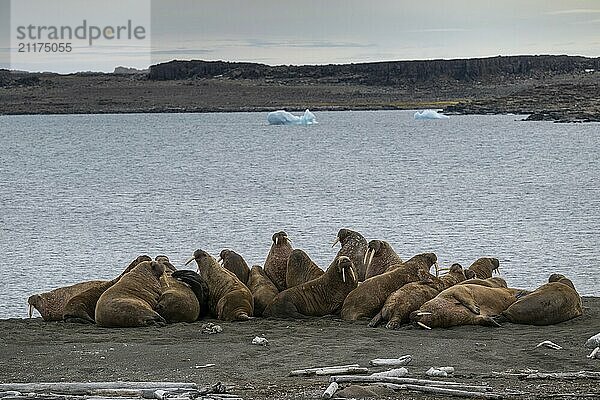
{"x": 182, "y": 51}
{"x": 305, "y": 44}
{"x": 437, "y": 30}
{"x": 574, "y": 11}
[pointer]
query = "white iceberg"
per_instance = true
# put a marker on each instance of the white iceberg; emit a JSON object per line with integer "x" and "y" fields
{"x": 430, "y": 114}
{"x": 282, "y": 117}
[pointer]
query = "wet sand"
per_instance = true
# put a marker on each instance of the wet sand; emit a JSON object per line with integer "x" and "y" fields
{"x": 38, "y": 351}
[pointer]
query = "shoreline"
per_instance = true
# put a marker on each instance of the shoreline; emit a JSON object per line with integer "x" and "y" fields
{"x": 35, "y": 351}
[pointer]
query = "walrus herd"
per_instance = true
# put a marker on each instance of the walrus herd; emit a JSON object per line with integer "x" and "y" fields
{"x": 365, "y": 281}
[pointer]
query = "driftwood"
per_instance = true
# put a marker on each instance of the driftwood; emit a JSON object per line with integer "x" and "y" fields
{"x": 330, "y": 391}
{"x": 565, "y": 375}
{"x": 445, "y": 391}
{"x": 391, "y": 362}
{"x": 339, "y": 371}
{"x": 90, "y": 387}
{"x": 313, "y": 371}
{"x": 396, "y": 372}
{"x": 594, "y": 341}
{"x": 550, "y": 345}
{"x": 404, "y": 381}
{"x": 595, "y": 353}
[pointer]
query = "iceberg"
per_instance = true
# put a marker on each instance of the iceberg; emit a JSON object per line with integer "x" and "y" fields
{"x": 282, "y": 117}
{"x": 430, "y": 114}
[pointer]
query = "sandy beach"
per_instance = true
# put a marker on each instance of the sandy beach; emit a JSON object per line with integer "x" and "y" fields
{"x": 37, "y": 351}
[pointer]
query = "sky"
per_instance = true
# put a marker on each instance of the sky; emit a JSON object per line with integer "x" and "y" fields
{"x": 345, "y": 31}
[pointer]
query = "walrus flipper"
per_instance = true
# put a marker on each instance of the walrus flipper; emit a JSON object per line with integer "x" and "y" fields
{"x": 79, "y": 319}
{"x": 466, "y": 299}
{"x": 376, "y": 320}
{"x": 489, "y": 321}
{"x": 283, "y": 310}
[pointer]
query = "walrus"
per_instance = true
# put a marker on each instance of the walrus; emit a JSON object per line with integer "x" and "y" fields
{"x": 177, "y": 303}
{"x": 464, "y": 305}
{"x": 131, "y": 301}
{"x": 556, "y": 301}
{"x": 262, "y": 288}
{"x": 367, "y": 299}
{"x": 198, "y": 286}
{"x": 81, "y": 308}
{"x": 235, "y": 263}
{"x": 301, "y": 269}
{"x": 276, "y": 263}
{"x": 318, "y": 297}
{"x": 489, "y": 282}
{"x": 379, "y": 257}
{"x": 354, "y": 246}
{"x": 484, "y": 267}
{"x": 400, "y": 304}
{"x": 228, "y": 298}
{"x": 51, "y": 305}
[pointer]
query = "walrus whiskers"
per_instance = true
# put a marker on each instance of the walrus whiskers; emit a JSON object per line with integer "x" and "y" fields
{"x": 422, "y": 325}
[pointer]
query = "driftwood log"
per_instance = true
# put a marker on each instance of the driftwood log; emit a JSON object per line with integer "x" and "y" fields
{"x": 333, "y": 370}
{"x": 330, "y": 391}
{"x": 391, "y": 362}
{"x": 91, "y": 387}
{"x": 445, "y": 391}
{"x": 404, "y": 381}
{"x": 565, "y": 375}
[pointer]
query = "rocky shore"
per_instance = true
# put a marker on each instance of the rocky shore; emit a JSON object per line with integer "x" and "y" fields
{"x": 553, "y": 88}
{"x": 35, "y": 351}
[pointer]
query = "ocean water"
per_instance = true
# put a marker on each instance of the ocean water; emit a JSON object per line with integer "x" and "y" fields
{"x": 82, "y": 195}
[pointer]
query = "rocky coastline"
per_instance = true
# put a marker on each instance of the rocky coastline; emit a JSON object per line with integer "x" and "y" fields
{"x": 545, "y": 88}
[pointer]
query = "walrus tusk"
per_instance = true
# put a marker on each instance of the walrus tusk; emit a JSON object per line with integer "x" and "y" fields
{"x": 353, "y": 275}
{"x": 422, "y": 325}
{"x": 337, "y": 239}
{"x": 443, "y": 269}
{"x": 344, "y": 275}
{"x": 219, "y": 260}
{"x": 288, "y": 239}
{"x": 422, "y": 313}
{"x": 190, "y": 260}
{"x": 437, "y": 269}
{"x": 366, "y": 257}
{"x": 371, "y": 257}
{"x": 276, "y": 240}
{"x": 30, "y": 311}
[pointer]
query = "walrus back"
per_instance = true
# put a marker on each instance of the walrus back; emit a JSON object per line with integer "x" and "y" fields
{"x": 51, "y": 305}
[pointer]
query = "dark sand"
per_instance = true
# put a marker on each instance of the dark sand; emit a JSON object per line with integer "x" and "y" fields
{"x": 37, "y": 351}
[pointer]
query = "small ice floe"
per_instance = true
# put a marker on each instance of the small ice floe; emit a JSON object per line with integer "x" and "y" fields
{"x": 439, "y": 371}
{"x": 592, "y": 342}
{"x": 550, "y": 345}
{"x": 211, "y": 328}
{"x": 430, "y": 114}
{"x": 282, "y": 117}
{"x": 261, "y": 341}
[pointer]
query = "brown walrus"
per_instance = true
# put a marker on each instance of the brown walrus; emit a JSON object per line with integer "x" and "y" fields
{"x": 410, "y": 297}
{"x": 484, "y": 267}
{"x": 177, "y": 303}
{"x": 367, "y": 299}
{"x": 276, "y": 263}
{"x": 354, "y": 246}
{"x": 228, "y": 298}
{"x": 379, "y": 257}
{"x": 235, "y": 263}
{"x": 556, "y": 301}
{"x": 51, "y": 305}
{"x": 489, "y": 282}
{"x": 301, "y": 269}
{"x": 262, "y": 288}
{"x": 81, "y": 308}
{"x": 464, "y": 305}
{"x": 131, "y": 301}
{"x": 318, "y": 297}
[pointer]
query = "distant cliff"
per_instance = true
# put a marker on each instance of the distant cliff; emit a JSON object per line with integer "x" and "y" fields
{"x": 383, "y": 73}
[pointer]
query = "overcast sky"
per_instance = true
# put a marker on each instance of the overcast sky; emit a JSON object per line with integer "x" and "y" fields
{"x": 343, "y": 31}
{"x": 340, "y": 31}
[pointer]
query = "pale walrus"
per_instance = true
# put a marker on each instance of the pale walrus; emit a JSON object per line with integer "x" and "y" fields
{"x": 82, "y": 307}
{"x": 484, "y": 267}
{"x": 131, "y": 301}
{"x": 51, "y": 305}
{"x": 301, "y": 269}
{"x": 400, "y": 304}
{"x": 276, "y": 263}
{"x": 228, "y": 298}
{"x": 262, "y": 288}
{"x": 556, "y": 301}
{"x": 235, "y": 263}
{"x": 379, "y": 257}
{"x": 465, "y": 305}
{"x": 177, "y": 303}
{"x": 318, "y": 297}
{"x": 367, "y": 299}
{"x": 354, "y": 246}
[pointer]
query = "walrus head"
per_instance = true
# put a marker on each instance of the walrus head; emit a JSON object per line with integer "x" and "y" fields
{"x": 469, "y": 274}
{"x": 343, "y": 235}
{"x": 164, "y": 260}
{"x": 560, "y": 278}
{"x": 374, "y": 247}
{"x": 281, "y": 238}
{"x": 420, "y": 318}
{"x": 199, "y": 256}
{"x": 36, "y": 301}
{"x": 155, "y": 267}
{"x": 346, "y": 270}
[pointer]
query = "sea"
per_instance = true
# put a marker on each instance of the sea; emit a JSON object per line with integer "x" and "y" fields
{"x": 82, "y": 195}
